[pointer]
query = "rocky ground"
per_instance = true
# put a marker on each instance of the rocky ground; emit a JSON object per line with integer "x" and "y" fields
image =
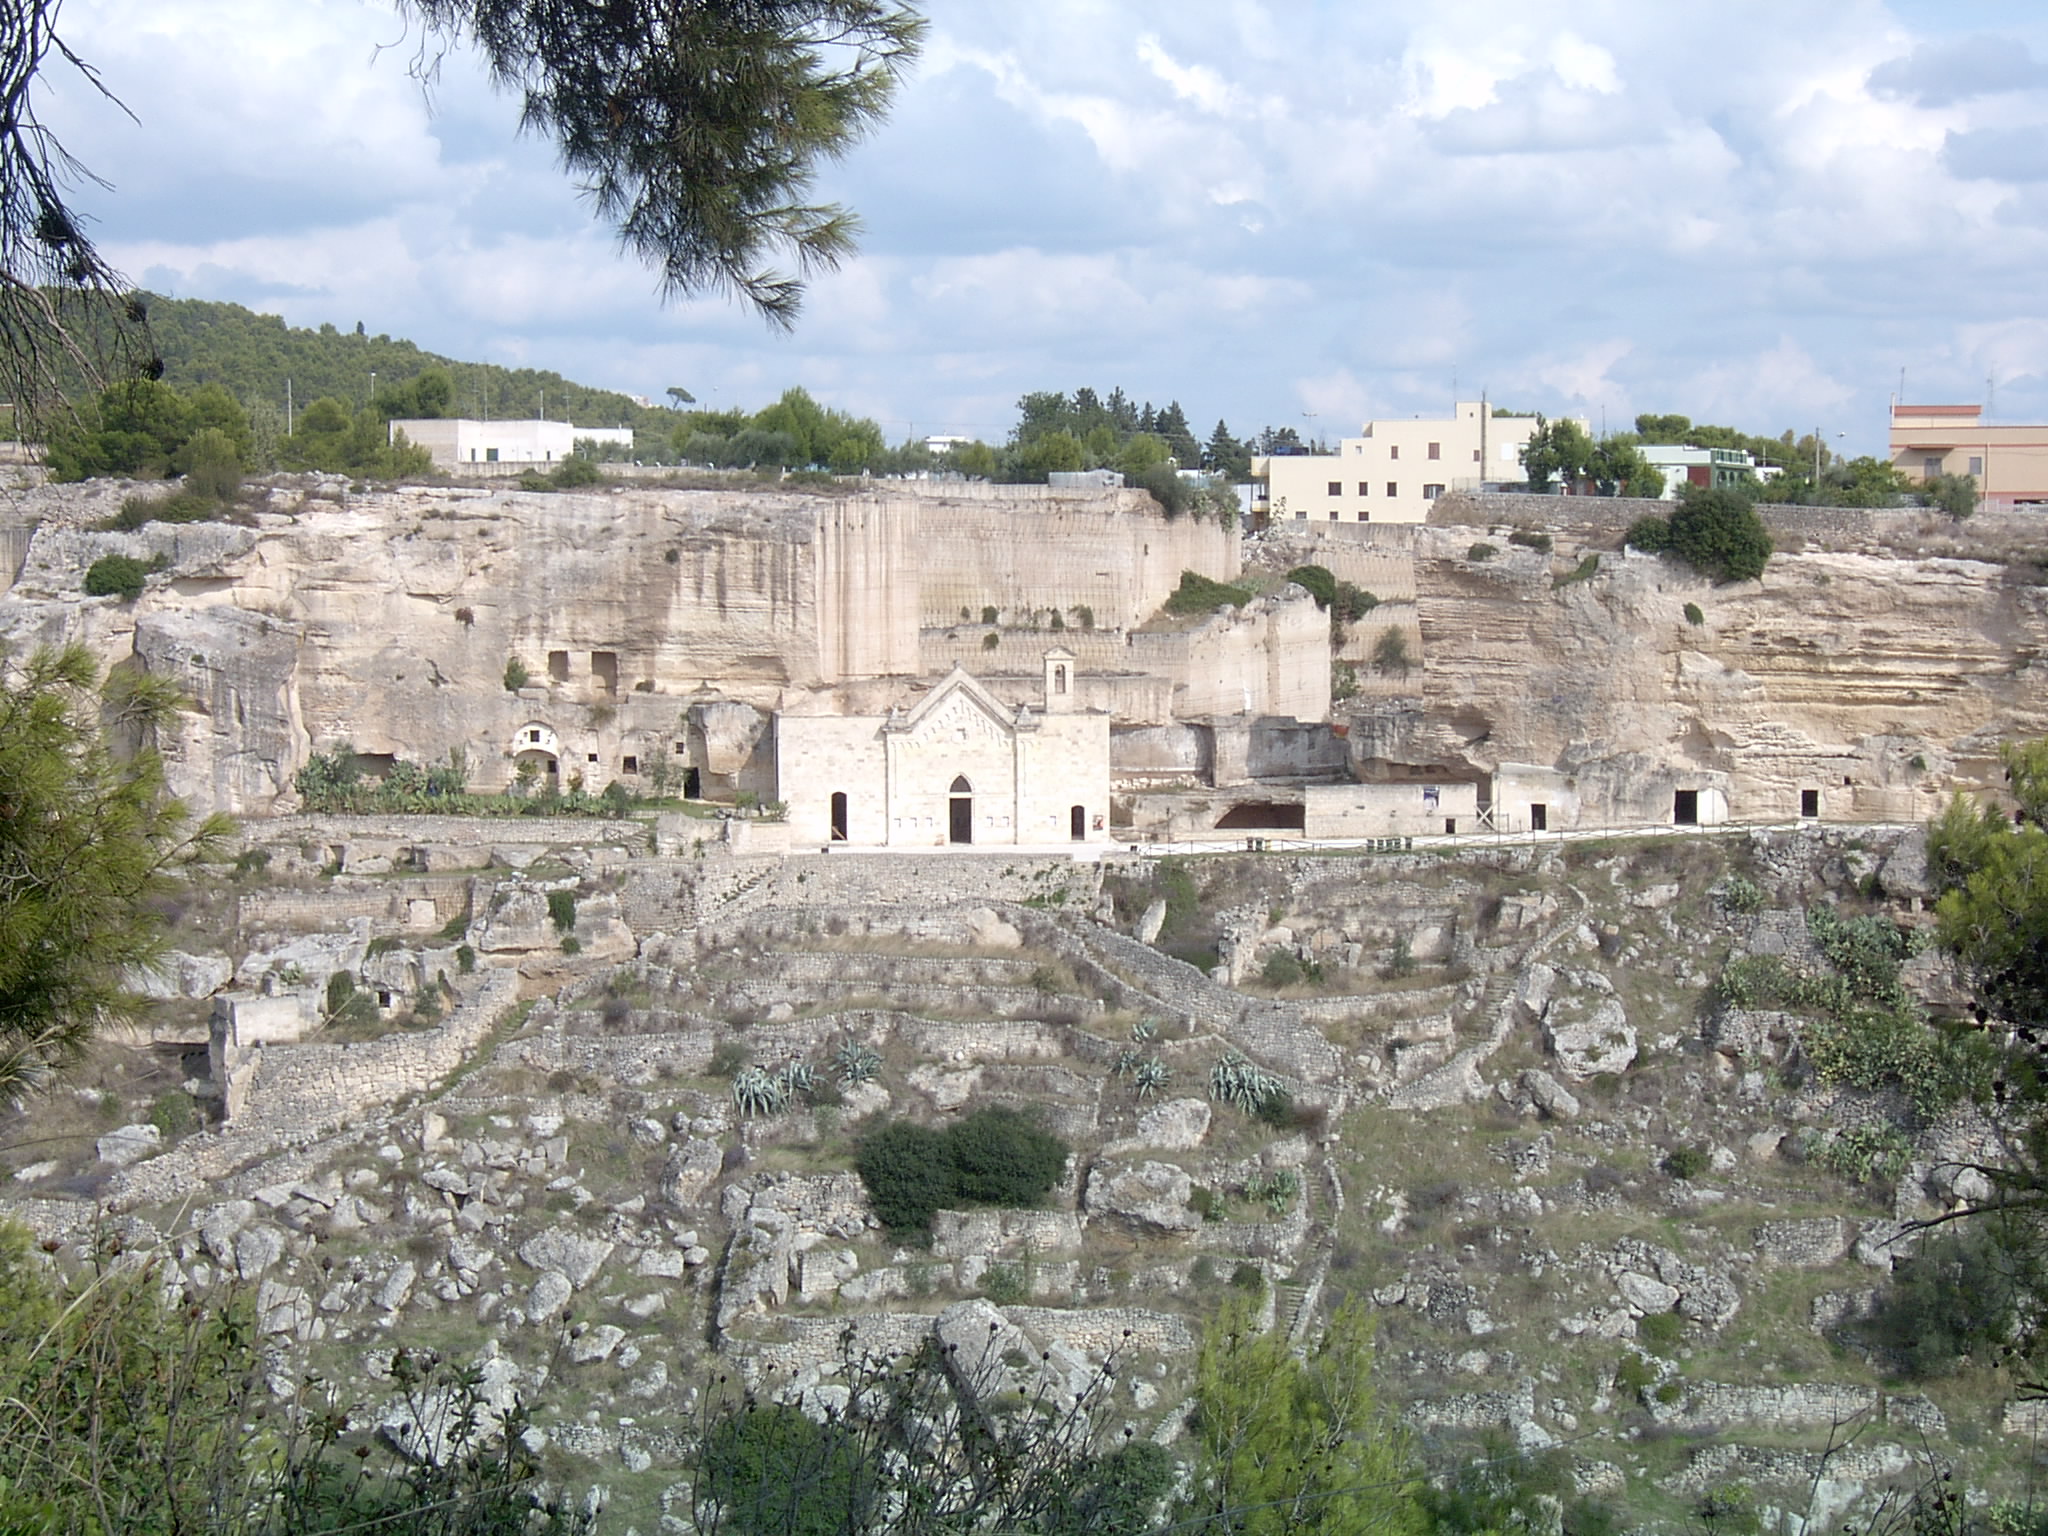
{"x": 1577, "y": 1190}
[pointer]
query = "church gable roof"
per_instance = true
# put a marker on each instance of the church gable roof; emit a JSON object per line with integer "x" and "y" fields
{"x": 960, "y": 685}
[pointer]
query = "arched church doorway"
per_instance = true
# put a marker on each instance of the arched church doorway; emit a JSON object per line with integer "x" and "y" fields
{"x": 1077, "y": 823}
{"x": 839, "y": 816}
{"x": 960, "y": 805}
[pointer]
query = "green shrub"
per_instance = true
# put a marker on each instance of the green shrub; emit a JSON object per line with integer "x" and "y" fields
{"x": 1248, "y": 1277}
{"x": 562, "y": 910}
{"x": 1585, "y": 570}
{"x": 1198, "y": 594}
{"x": 1860, "y": 1153}
{"x": 770, "y": 1471}
{"x": 994, "y": 1157}
{"x": 465, "y": 959}
{"x": 1481, "y": 552}
{"x": 1319, "y": 581}
{"x": 1693, "y": 616}
{"x": 988, "y": 613}
{"x": 991, "y": 640}
{"x": 1005, "y": 1285}
{"x": 1718, "y": 533}
{"x": 1635, "y": 1375}
{"x": 1958, "y": 1297}
{"x": 1651, "y": 534}
{"x": 1282, "y": 968}
{"x": 119, "y": 576}
{"x": 1687, "y": 1162}
{"x": 571, "y": 945}
{"x": 1741, "y": 896}
{"x": 516, "y": 675}
{"x": 1661, "y": 1332}
{"x": 1390, "y": 652}
{"x": 1540, "y": 542}
{"x": 908, "y": 1172}
{"x": 174, "y": 1114}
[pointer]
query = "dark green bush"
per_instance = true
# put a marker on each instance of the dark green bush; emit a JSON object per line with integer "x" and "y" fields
{"x": 1651, "y": 534}
{"x": 1661, "y": 1332}
{"x": 993, "y": 1157}
{"x": 908, "y": 1171}
{"x": 1000, "y": 1157}
{"x": 1718, "y": 533}
{"x": 119, "y": 576}
{"x": 1685, "y": 1162}
{"x": 1960, "y": 1296}
{"x": 1282, "y": 968}
{"x": 562, "y": 910}
{"x": 1693, "y": 616}
{"x": 773, "y": 1472}
{"x": 1198, "y": 594}
{"x": 1481, "y": 552}
{"x": 1540, "y": 542}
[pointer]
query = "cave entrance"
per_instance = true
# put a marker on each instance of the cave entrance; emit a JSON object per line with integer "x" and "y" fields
{"x": 1685, "y": 808}
{"x": 1539, "y": 818}
{"x": 1809, "y": 802}
{"x": 1263, "y": 815}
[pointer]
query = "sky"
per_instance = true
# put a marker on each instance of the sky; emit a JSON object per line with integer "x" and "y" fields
{"x": 1277, "y": 212}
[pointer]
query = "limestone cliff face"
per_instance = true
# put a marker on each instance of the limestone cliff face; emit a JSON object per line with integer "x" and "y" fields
{"x": 648, "y": 621}
{"x": 1868, "y": 678}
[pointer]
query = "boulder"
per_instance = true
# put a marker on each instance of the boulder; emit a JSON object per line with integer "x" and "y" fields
{"x": 576, "y": 1256}
{"x": 1644, "y": 1294}
{"x": 129, "y": 1144}
{"x": 182, "y": 975}
{"x": 691, "y": 1169}
{"x": 986, "y": 929}
{"x": 1600, "y": 1039}
{"x": 1151, "y": 1195}
{"x": 550, "y": 1293}
{"x": 1178, "y": 1125}
{"x": 1548, "y": 1095}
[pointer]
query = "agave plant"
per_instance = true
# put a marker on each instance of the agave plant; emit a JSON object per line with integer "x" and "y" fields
{"x": 1126, "y": 1063}
{"x": 1144, "y": 1030}
{"x": 856, "y": 1063}
{"x": 1236, "y": 1081}
{"x": 1150, "y": 1077}
{"x": 756, "y": 1093}
{"x": 796, "y": 1077}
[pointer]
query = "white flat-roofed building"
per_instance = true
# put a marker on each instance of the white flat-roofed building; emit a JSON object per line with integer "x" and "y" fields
{"x": 456, "y": 441}
{"x": 1393, "y": 470}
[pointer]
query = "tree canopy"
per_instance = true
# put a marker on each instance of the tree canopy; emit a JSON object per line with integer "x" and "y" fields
{"x": 697, "y": 129}
{"x": 88, "y": 840}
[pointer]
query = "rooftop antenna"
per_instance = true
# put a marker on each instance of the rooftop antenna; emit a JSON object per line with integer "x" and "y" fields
{"x": 1990, "y": 396}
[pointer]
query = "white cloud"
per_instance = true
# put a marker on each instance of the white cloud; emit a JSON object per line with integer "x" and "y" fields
{"x": 1260, "y": 208}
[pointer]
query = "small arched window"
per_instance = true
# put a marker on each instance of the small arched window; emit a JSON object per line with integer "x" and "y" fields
{"x": 1059, "y": 679}
{"x": 961, "y": 786}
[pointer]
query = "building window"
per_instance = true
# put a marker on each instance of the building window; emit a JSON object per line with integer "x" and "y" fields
{"x": 1478, "y": 457}
{"x": 1336, "y": 487}
{"x": 1393, "y": 487}
{"x": 1394, "y": 451}
{"x": 1809, "y": 802}
{"x": 1976, "y": 464}
{"x": 1364, "y": 516}
{"x": 1431, "y": 492}
{"x": 1364, "y": 488}
{"x": 490, "y": 455}
{"x": 1436, "y": 450}
{"x": 1336, "y": 513}
{"x": 591, "y": 755}
{"x": 1930, "y": 465}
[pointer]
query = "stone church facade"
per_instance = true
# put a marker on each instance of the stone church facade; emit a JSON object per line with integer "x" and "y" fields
{"x": 956, "y": 769}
